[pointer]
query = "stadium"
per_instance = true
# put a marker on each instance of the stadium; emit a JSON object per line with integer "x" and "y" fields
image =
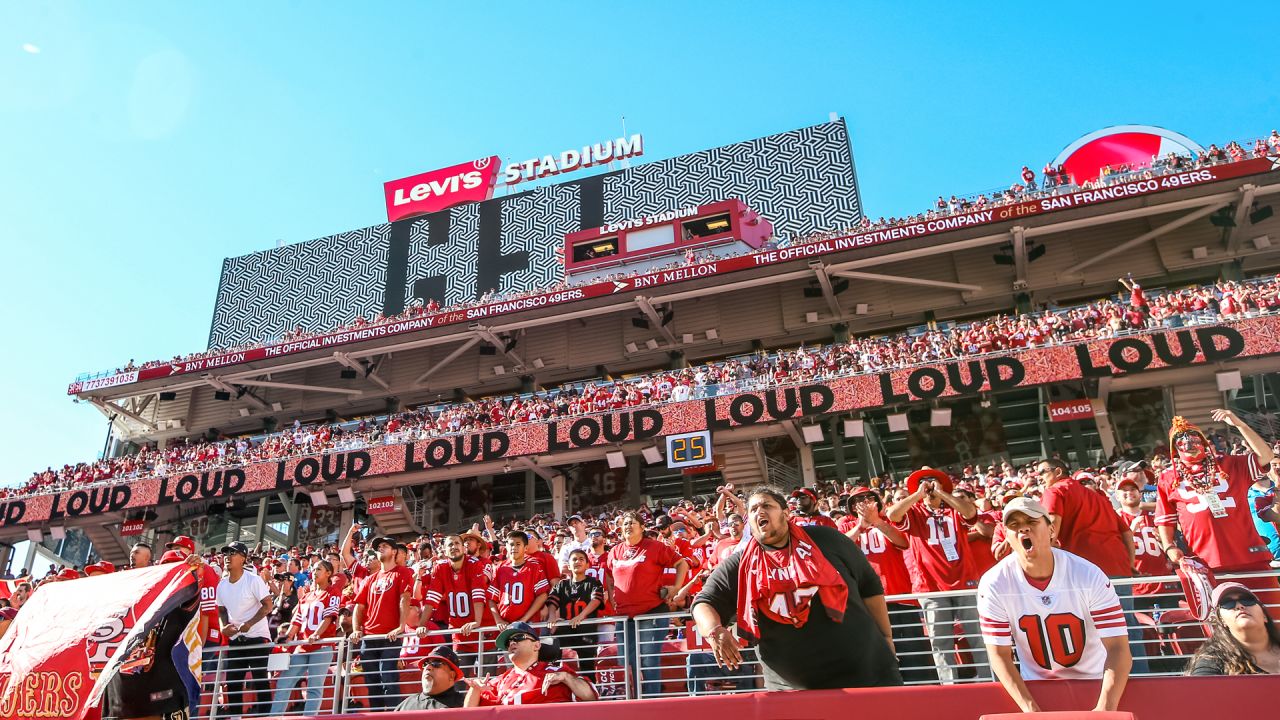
{"x": 654, "y": 336}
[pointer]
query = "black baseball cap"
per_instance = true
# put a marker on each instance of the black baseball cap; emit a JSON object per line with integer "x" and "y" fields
{"x": 450, "y": 658}
{"x": 513, "y": 629}
{"x": 375, "y": 542}
{"x": 235, "y": 548}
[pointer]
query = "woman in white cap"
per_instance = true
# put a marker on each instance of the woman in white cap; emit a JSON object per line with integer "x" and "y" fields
{"x": 1245, "y": 639}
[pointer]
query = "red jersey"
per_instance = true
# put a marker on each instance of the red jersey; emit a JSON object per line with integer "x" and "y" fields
{"x": 209, "y": 580}
{"x": 1147, "y": 556}
{"x": 380, "y": 596}
{"x": 549, "y": 564}
{"x": 638, "y": 574}
{"x": 514, "y": 588}
{"x": 886, "y": 559}
{"x": 983, "y": 558}
{"x": 1088, "y": 526}
{"x": 314, "y": 607}
{"x": 724, "y": 547}
{"x": 459, "y": 592}
{"x": 524, "y": 687}
{"x": 413, "y": 648}
{"x": 1229, "y": 542}
{"x": 942, "y": 557}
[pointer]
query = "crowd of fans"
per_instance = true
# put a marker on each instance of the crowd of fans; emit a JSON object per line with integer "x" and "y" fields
{"x": 1134, "y": 310}
{"x": 556, "y": 582}
{"x": 1055, "y": 180}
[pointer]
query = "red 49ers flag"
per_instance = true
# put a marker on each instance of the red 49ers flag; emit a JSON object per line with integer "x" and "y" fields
{"x": 71, "y": 637}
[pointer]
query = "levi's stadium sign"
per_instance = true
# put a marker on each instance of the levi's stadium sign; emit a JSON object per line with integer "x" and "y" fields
{"x": 1171, "y": 348}
{"x": 710, "y": 268}
{"x": 441, "y": 189}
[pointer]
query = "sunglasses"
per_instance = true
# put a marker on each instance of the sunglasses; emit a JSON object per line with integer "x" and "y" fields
{"x": 518, "y": 638}
{"x": 1241, "y": 600}
{"x": 433, "y": 663}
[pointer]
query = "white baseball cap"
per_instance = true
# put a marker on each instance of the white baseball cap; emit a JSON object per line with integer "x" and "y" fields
{"x": 1025, "y": 505}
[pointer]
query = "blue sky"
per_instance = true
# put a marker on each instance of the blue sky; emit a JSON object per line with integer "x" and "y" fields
{"x": 143, "y": 142}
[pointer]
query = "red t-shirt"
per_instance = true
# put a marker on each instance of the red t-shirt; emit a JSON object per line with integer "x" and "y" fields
{"x": 1225, "y": 543}
{"x": 459, "y": 592}
{"x": 514, "y": 588}
{"x": 723, "y": 549}
{"x": 524, "y": 687}
{"x": 1147, "y": 555}
{"x": 983, "y": 558}
{"x": 380, "y": 596}
{"x": 549, "y": 564}
{"x": 638, "y": 574}
{"x": 1089, "y": 526}
{"x": 942, "y": 556}
{"x": 314, "y": 607}
{"x": 886, "y": 559}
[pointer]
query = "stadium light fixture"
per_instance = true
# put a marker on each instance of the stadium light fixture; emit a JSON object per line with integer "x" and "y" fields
{"x": 687, "y": 338}
{"x": 223, "y": 395}
{"x": 499, "y": 370}
{"x": 855, "y": 428}
{"x": 34, "y": 535}
{"x": 713, "y": 334}
{"x": 244, "y": 412}
{"x": 346, "y": 495}
{"x": 58, "y": 532}
{"x": 632, "y": 347}
{"x": 898, "y": 422}
{"x": 940, "y": 417}
{"x": 812, "y": 433}
{"x": 1262, "y": 242}
{"x": 538, "y": 363}
{"x": 616, "y": 459}
{"x": 277, "y": 407}
{"x": 318, "y": 498}
{"x": 811, "y": 317}
{"x": 652, "y": 454}
{"x": 651, "y": 343}
{"x": 168, "y": 395}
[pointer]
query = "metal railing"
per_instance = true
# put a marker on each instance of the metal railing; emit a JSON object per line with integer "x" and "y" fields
{"x": 936, "y": 639}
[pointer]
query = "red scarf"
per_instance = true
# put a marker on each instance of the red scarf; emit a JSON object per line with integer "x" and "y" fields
{"x": 781, "y": 583}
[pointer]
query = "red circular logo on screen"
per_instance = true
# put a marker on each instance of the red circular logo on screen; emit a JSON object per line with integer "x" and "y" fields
{"x": 1131, "y": 145}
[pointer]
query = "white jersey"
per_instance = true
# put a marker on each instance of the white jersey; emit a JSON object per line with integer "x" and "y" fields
{"x": 1057, "y": 631}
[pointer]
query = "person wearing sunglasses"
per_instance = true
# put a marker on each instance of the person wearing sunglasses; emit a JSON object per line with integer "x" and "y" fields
{"x": 441, "y": 674}
{"x": 1245, "y": 639}
{"x": 529, "y": 681}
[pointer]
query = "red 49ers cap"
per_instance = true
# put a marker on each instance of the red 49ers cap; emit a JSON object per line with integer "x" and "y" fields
{"x": 915, "y": 478}
{"x": 182, "y": 541}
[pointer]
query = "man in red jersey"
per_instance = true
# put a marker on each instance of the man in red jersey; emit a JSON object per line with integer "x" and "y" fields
{"x": 803, "y": 505}
{"x": 884, "y": 544}
{"x": 520, "y": 585}
{"x": 314, "y": 619}
{"x": 210, "y": 623}
{"x": 936, "y": 522}
{"x": 1148, "y": 558}
{"x": 637, "y": 569}
{"x": 382, "y": 608}
{"x": 1208, "y": 497}
{"x": 460, "y": 585}
{"x": 537, "y": 550}
{"x": 1084, "y": 522}
{"x": 529, "y": 681}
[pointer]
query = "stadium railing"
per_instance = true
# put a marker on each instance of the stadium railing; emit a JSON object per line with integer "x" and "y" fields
{"x": 1163, "y": 636}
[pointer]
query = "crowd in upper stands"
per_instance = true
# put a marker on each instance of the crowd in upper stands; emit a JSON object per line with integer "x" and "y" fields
{"x": 1133, "y": 310}
{"x": 1054, "y": 180}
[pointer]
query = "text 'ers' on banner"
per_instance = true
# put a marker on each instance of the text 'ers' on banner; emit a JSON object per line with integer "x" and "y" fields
{"x": 71, "y": 637}
{"x": 1251, "y": 337}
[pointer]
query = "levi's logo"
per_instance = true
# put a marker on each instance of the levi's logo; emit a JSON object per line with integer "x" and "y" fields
{"x": 440, "y": 189}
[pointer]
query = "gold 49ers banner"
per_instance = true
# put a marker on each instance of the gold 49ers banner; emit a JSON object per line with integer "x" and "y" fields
{"x": 71, "y": 637}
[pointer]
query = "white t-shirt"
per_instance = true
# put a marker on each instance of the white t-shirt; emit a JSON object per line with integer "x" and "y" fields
{"x": 1058, "y": 631}
{"x": 242, "y": 600}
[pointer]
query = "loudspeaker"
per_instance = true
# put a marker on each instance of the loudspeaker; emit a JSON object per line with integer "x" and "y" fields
{"x": 221, "y": 395}
{"x": 347, "y": 374}
{"x": 1228, "y": 380}
{"x": 168, "y": 395}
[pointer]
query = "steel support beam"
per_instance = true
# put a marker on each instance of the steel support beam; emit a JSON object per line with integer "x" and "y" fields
{"x": 369, "y": 371}
{"x": 901, "y": 280}
{"x": 245, "y": 395}
{"x": 1247, "y": 193}
{"x": 111, "y": 409}
{"x": 1019, "y": 235}
{"x": 470, "y": 343}
{"x": 1147, "y": 236}
{"x": 646, "y": 307}
{"x": 296, "y": 386}
{"x": 488, "y": 335}
{"x": 828, "y": 294}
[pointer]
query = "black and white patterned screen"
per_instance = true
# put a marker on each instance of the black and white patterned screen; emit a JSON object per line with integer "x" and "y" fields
{"x": 801, "y": 181}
